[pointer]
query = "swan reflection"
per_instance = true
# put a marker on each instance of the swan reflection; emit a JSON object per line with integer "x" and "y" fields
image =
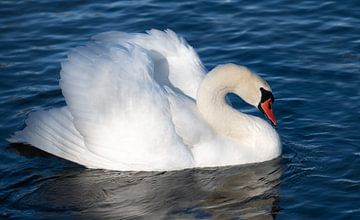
{"x": 245, "y": 192}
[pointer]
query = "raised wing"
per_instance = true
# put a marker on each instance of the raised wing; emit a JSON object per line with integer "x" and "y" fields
{"x": 119, "y": 109}
{"x": 177, "y": 64}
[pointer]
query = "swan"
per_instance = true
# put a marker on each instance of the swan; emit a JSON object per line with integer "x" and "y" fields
{"x": 144, "y": 102}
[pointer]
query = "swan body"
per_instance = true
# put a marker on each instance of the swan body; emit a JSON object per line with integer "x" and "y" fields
{"x": 144, "y": 102}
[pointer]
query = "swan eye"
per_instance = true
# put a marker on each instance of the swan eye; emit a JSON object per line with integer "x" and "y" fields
{"x": 266, "y": 95}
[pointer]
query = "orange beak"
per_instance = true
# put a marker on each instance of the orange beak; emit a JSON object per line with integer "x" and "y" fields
{"x": 267, "y": 110}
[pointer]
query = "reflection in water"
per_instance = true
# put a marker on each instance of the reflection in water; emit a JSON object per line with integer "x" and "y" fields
{"x": 248, "y": 192}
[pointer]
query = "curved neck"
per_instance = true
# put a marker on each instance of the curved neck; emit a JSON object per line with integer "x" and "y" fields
{"x": 213, "y": 107}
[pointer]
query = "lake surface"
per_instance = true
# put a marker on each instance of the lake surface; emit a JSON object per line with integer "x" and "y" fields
{"x": 308, "y": 51}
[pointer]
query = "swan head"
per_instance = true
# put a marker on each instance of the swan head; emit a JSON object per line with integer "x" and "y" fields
{"x": 250, "y": 87}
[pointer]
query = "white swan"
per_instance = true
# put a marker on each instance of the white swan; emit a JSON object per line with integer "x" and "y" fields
{"x": 131, "y": 106}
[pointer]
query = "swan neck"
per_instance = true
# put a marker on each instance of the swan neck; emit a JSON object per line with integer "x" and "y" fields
{"x": 212, "y": 104}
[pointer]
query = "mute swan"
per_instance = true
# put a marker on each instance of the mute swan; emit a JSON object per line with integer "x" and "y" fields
{"x": 143, "y": 102}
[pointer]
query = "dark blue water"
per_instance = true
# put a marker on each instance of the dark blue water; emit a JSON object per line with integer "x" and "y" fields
{"x": 307, "y": 50}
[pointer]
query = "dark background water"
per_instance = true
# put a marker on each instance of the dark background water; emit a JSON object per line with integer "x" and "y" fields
{"x": 307, "y": 50}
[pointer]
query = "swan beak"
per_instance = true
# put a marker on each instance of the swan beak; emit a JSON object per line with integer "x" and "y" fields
{"x": 265, "y": 107}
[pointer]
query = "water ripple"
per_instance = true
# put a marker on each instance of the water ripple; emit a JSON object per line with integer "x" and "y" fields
{"x": 309, "y": 53}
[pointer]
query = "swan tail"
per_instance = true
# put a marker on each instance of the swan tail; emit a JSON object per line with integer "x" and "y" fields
{"x": 53, "y": 131}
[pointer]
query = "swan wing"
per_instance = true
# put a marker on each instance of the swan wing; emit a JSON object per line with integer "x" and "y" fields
{"x": 189, "y": 124}
{"x": 177, "y": 64}
{"x": 119, "y": 109}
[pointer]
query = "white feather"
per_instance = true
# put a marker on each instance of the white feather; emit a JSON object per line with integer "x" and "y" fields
{"x": 185, "y": 70}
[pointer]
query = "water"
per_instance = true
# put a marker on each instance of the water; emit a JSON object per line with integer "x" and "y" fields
{"x": 309, "y": 53}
